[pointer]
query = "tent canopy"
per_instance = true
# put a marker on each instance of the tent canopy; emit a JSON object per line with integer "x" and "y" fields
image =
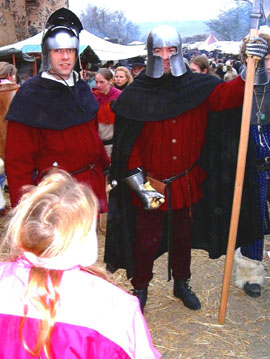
{"x": 211, "y": 39}
{"x": 226, "y": 47}
{"x": 103, "y": 49}
{"x": 6, "y": 54}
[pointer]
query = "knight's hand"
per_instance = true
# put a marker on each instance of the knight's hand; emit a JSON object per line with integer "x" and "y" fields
{"x": 256, "y": 47}
{"x": 152, "y": 198}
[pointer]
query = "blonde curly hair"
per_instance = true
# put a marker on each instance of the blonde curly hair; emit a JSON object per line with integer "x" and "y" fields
{"x": 49, "y": 219}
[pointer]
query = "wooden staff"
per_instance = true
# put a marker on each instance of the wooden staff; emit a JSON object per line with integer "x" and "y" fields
{"x": 241, "y": 163}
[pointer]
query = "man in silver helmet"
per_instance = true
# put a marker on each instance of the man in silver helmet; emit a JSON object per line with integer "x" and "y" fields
{"x": 159, "y": 166}
{"x": 164, "y": 53}
{"x": 51, "y": 121}
{"x": 250, "y": 270}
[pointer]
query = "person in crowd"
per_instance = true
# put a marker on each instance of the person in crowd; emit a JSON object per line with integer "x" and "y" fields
{"x": 110, "y": 65}
{"x": 86, "y": 76}
{"x": 230, "y": 73}
{"x": 201, "y": 64}
{"x": 159, "y": 182}
{"x": 219, "y": 71}
{"x": 250, "y": 271}
{"x": 122, "y": 77}
{"x": 8, "y": 88}
{"x": 237, "y": 65}
{"x": 213, "y": 65}
{"x": 24, "y": 76}
{"x": 57, "y": 127}
{"x": 89, "y": 76}
{"x": 137, "y": 65}
{"x": 105, "y": 94}
{"x": 54, "y": 302}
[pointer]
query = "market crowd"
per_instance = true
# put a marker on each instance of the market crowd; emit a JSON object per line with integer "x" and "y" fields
{"x": 144, "y": 150}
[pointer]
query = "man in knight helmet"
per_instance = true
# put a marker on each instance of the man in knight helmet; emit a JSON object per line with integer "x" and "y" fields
{"x": 51, "y": 121}
{"x": 161, "y": 200}
{"x": 250, "y": 270}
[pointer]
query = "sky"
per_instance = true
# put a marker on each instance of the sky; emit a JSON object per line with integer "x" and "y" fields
{"x": 151, "y": 10}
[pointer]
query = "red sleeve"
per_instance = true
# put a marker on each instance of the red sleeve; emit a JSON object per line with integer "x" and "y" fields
{"x": 227, "y": 95}
{"x": 21, "y": 149}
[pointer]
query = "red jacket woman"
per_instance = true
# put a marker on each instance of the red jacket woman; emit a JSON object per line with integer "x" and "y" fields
{"x": 105, "y": 94}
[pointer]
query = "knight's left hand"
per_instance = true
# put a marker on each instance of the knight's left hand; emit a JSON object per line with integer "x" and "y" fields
{"x": 256, "y": 47}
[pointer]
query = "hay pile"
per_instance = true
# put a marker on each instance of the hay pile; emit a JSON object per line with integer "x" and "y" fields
{"x": 179, "y": 333}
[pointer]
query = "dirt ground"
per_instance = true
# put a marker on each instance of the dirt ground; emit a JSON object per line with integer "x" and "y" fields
{"x": 180, "y": 333}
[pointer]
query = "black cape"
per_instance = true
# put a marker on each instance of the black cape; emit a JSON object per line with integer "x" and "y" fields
{"x": 44, "y": 103}
{"x": 212, "y": 214}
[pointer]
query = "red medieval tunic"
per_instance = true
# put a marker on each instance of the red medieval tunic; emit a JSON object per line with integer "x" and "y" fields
{"x": 167, "y": 148}
{"x": 32, "y": 148}
{"x": 29, "y": 148}
{"x": 167, "y": 126}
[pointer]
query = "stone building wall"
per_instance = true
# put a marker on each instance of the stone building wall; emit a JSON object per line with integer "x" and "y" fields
{"x": 20, "y": 19}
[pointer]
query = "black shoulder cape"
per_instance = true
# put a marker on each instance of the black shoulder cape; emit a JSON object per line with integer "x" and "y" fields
{"x": 44, "y": 103}
{"x": 148, "y": 99}
{"x": 211, "y": 215}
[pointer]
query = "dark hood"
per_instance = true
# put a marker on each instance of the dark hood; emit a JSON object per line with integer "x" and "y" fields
{"x": 45, "y": 103}
{"x": 149, "y": 99}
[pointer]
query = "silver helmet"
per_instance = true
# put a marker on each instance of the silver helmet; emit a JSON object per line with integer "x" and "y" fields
{"x": 164, "y": 36}
{"x": 61, "y": 32}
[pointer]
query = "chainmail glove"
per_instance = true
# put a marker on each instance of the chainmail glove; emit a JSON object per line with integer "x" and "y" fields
{"x": 256, "y": 47}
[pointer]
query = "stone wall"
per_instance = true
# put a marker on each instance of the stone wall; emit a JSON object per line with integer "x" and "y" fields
{"x": 20, "y": 20}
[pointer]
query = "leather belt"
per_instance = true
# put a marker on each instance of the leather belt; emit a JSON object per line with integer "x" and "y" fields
{"x": 184, "y": 173}
{"x": 108, "y": 142}
{"x": 90, "y": 167}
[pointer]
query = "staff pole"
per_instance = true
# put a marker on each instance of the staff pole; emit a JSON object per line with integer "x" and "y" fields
{"x": 241, "y": 162}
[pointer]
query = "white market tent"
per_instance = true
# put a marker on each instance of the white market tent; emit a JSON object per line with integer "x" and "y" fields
{"x": 226, "y": 47}
{"x": 105, "y": 50}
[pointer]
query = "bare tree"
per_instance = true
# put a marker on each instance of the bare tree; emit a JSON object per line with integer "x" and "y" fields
{"x": 112, "y": 24}
{"x": 233, "y": 24}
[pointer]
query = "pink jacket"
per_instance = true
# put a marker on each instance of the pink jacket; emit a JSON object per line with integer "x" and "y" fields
{"x": 95, "y": 319}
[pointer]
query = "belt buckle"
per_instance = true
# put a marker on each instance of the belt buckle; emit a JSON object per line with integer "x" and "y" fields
{"x": 267, "y": 160}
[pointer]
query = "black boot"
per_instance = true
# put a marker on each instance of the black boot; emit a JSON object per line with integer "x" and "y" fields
{"x": 183, "y": 291}
{"x": 141, "y": 294}
{"x": 252, "y": 289}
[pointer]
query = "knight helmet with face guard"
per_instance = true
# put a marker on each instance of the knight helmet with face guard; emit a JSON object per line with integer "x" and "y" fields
{"x": 164, "y": 36}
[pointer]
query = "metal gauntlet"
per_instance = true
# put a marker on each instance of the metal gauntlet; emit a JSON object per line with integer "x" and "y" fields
{"x": 261, "y": 76}
{"x": 151, "y": 199}
{"x": 257, "y": 47}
